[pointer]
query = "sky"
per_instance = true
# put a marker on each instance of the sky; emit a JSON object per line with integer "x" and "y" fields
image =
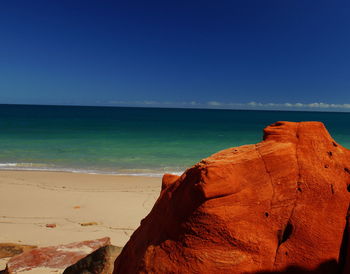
{"x": 209, "y": 54}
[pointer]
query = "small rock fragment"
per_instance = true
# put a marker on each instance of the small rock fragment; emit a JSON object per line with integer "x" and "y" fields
{"x": 88, "y": 223}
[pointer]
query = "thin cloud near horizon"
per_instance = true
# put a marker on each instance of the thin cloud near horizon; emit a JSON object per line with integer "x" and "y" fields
{"x": 250, "y": 105}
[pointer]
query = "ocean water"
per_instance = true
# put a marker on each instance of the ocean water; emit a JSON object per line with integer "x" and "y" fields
{"x": 138, "y": 141}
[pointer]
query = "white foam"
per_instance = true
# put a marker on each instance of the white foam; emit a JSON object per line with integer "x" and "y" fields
{"x": 8, "y": 164}
{"x": 43, "y": 167}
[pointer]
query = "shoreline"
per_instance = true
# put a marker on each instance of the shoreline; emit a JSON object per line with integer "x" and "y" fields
{"x": 80, "y": 206}
{"x": 136, "y": 172}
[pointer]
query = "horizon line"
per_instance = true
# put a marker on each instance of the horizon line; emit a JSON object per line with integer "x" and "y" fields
{"x": 202, "y": 107}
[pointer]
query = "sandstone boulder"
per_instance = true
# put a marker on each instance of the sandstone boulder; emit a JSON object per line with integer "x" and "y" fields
{"x": 273, "y": 207}
{"x": 54, "y": 259}
{"x": 100, "y": 261}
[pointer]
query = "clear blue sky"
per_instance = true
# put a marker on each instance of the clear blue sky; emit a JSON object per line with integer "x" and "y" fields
{"x": 235, "y": 54}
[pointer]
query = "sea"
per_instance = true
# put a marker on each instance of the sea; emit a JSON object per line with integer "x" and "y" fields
{"x": 135, "y": 141}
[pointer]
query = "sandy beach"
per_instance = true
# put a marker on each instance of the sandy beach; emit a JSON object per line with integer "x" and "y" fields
{"x": 78, "y": 206}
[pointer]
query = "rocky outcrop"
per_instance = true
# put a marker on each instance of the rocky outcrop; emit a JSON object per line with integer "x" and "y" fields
{"x": 11, "y": 249}
{"x": 8, "y": 250}
{"x": 56, "y": 259}
{"x": 276, "y": 206}
{"x": 99, "y": 262}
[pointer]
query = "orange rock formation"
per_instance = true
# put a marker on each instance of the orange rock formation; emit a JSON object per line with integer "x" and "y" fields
{"x": 265, "y": 208}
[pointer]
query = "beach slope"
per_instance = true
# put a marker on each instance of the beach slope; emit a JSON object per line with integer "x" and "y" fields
{"x": 52, "y": 208}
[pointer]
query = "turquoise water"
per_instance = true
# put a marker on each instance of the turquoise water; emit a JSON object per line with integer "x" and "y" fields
{"x": 134, "y": 140}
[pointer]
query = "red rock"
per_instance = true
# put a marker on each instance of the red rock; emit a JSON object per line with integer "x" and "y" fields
{"x": 51, "y": 225}
{"x": 100, "y": 262}
{"x": 11, "y": 249}
{"x": 265, "y": 208}
{"x": 54, "y": 258}
{"x": 88, "y": 223}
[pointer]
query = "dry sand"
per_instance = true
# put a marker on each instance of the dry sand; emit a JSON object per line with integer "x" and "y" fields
{"x": 106, "y": 205}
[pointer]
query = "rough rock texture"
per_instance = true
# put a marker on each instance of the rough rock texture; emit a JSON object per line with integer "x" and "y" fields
{"x": 11, "y": 249}
{"x": 279, "y": 205}
{"x": 8, "y": 250}
{"x": 100, "y": 261}
{"x": 54, "y": 259}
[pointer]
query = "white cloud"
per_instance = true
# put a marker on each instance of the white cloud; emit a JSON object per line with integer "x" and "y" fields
{"x": 300, "y": 105}
{"x": 231, "y": 105}
{"x": 214, "y": 103}
{"x": 253, "y": 104}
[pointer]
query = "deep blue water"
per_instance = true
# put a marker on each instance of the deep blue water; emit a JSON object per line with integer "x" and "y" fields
{"x": 135, "y": 140}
